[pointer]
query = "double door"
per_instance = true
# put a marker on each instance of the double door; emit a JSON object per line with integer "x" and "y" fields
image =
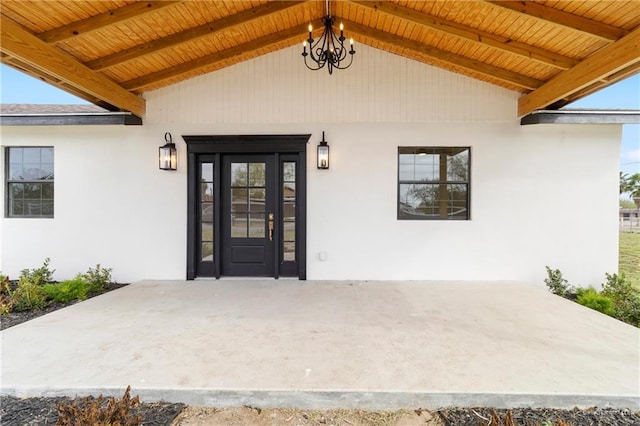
{"x": 247, "y": 215}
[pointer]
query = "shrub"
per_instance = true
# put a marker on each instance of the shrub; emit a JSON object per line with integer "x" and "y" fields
{"x": 626, "y": 298}
{"x": 95, "y": 412}
{"x": 37, "y": 276}
{"x": 592, "y": 299}
{"x": 557, "y": 284}
{"x": 66, "y": 291}
{"x": 6, "y": 300}
{"x": 97, "y": 278}
{"x": 28, "y": 296}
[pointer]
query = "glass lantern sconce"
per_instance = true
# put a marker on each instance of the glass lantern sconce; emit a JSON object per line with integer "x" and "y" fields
{"x": 167, "y": 154}
{"x": 323, "y": 154}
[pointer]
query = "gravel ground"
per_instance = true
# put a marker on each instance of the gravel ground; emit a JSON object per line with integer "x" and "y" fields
{"x": 42, "y": 411}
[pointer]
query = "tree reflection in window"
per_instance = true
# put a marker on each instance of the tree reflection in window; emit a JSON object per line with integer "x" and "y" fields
{"x": 433, "y": 183}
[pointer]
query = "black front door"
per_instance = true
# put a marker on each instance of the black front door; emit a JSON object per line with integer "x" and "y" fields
{"x": 246, "y": 206}
{"x": 248, "y": 215}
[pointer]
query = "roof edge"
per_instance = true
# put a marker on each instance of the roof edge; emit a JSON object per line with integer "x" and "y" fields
{"x": 582, "y": 116}
{"x": 71, "y": 119}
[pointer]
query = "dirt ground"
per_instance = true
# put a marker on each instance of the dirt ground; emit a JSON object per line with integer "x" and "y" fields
{"x": 193, "y": 416}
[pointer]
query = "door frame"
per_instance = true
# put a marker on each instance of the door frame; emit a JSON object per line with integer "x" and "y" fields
{"x": 218, "y": 145}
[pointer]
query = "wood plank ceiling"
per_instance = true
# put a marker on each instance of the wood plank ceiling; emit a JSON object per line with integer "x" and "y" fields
{"x": 110, "y": 52}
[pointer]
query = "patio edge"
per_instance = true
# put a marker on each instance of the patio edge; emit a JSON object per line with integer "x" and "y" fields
{"x": 321, "y": 400}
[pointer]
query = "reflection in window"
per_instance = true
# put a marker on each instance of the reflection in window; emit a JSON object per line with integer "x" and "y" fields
{"x": 206, "y": 212}
{"x": 289, "y": 211}
{"x": 433, "y": 183}
{"x": 29, "y": 179}
{"x": 248, "y": 216}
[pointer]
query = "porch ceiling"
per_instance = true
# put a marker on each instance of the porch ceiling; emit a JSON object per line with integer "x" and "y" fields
{"x": 109, "y": 52}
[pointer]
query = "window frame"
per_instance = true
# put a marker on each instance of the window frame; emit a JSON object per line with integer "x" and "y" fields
{"x": 400, "y": 182}
{"x": 8, "y": 182}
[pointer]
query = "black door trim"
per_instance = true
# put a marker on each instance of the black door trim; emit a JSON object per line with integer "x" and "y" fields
{"x": 216, "y": 145}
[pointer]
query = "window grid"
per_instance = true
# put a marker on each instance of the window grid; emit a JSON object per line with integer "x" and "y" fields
{"x": 29, "y": 182}
{"x": 433, "y": 183}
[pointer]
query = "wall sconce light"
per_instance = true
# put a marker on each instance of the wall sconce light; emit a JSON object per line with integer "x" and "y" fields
{"x": 167, "y": 154}
{"x": 323, "y": 154}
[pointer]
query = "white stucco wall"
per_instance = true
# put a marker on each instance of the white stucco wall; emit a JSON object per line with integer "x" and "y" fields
{"x": 540, "y": 195}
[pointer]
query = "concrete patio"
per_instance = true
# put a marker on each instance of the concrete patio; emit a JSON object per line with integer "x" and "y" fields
{"x": 311, "y": 344}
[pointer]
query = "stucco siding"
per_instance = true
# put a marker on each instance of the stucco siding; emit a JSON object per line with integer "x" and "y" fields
{"x": 540, "y": 195}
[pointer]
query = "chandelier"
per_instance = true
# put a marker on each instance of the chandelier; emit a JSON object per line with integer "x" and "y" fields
{"x": 329, "y": 49}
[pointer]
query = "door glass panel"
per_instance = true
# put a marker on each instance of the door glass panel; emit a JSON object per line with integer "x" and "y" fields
{"x": 289, "y": 211}
{"x": 238, "y": 225}
{"x": 289, "y": 231}
{"x": 239, "y": 202}
{"x": 256, "y": 200}
{"x": 289, "y": 254}
{"x": 256, "y": 174}
{"x": 256, "y": 226}
{"x": 239, "y": 174}
{"x": 206, "y": 212}
{"x": 206, "y": 191}
{"x": 248, "y": 198}
{"x": 207, "y": 231}
{"x": 207, "y": 252}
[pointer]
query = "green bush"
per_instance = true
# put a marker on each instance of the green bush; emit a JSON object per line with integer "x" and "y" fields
{"x": 592, "y": 299}
{"x": 626, "y": 298}
{"x": 97, "y": 278}
{"x": 28, "y": 296}
{"x": 38, "y": 276}
{"x": 557, "y": 284}
{"x": 66, "y": 291}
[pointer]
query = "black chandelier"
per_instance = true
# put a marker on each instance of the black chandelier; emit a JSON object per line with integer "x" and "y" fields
{"x": 329, "y": 49}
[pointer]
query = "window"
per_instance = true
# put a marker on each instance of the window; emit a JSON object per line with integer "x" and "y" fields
{"x": 29, "y": 180}
{"x": 433, "y": 183}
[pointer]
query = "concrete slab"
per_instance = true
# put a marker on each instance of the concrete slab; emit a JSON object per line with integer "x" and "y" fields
{"x": 376, "y": 345}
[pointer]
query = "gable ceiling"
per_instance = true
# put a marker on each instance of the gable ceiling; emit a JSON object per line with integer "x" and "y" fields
{"x": 110, "y": 52}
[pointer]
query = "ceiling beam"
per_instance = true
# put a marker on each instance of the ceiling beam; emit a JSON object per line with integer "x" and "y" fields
{"x": 604, "y": 63}
{"x": 467, "y": 33}
{"x": 102, "y": 21}
{"x": 574, "y": 22}
{"x": 522, "y": 81}
{"x": 19, "y": 43}
{"x": 207, "y": 61}
{"x": 224, "y": 24}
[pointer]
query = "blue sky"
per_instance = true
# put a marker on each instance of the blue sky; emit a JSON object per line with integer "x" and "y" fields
{"x": 16, "y": 87}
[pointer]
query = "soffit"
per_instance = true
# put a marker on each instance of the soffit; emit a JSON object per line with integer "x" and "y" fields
{"x": 553, "y": 52}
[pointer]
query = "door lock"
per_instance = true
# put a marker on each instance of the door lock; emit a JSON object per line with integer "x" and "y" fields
{"x": 270, "y": 226}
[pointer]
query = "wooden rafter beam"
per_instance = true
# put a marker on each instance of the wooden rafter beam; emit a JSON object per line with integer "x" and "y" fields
{"x": 522, "y": 81}
{"x": 467, "y": 33}
{"x": 17, "y": 42}
{"x": 574, "y": 22}
{"x": 225, "y": 24}
{"x": 605, "y": 62}
{"x": 103, "y": 20}
{"x": 215, "y": 58}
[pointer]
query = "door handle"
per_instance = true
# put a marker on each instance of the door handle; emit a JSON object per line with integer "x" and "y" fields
{"x": 270, "y": 226}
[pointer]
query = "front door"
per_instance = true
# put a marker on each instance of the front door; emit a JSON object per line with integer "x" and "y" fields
{"x": 248, "y": 215}
{"x": 246, "y": 206}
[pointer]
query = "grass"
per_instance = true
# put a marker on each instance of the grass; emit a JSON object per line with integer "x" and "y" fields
{"x": 629, "y": 262}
